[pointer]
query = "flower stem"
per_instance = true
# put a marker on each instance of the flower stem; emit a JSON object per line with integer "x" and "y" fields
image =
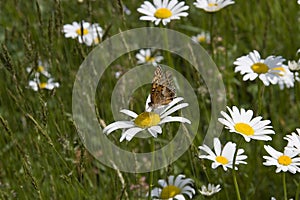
{"x": 284, "y": 186}
{"x": 226, "y": 190}
{"x": 296, "y": 89}
{"x": 151, "y": 172}
{"x": 297, "y": 192}
{"x": 166, "y": 45}
{"x": 261, "y": 88}
{"x": 211, "y": 32}
{"x": 238, "y": 195}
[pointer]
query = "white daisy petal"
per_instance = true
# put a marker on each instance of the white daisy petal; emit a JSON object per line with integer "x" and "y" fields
{"x": 212, "y": 5}
{"x": 285, "y": 161}
{"x": 117, "y": 125}
{"x": 239, "y": 121}
{"x": 129, "y": 113}
{"x": 174, "y": 188}
{"x": 268, "y": 70}
{"x": 130, "y": 133}
{"x": 150, "y": 121}
{"x": 223, "y": 157}
{"x": 209, "y": 190}
{"x": 174, "y": 109}
{"x": 175, "y": 119}
{"x": 162, "y": 11}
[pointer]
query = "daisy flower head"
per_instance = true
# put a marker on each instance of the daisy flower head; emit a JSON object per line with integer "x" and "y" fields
{"x": 42, "y": 68}
{"x": 210, "y": 190}
{"x": 286, "y": 77}
{"x": 174, "y": 188}
{"x": 146, "y": 56}
{"x": 253, "y": 66}
{"x": 223, "y": 157}
{"x": 293, "y": 65}
{"x": 163, "y": 11}
{"x": 203, "y": 37}
{"x": 241, "y": 122}
{"x": 150, "y": 121}
{"x": 212, "y": 5}
{"x": 286, "y": 161}
{"x": 273, "y": 198}
{"x": 293, "y": 141}
{"x": 86, "y": 32}
{"x": 36, "y": 84}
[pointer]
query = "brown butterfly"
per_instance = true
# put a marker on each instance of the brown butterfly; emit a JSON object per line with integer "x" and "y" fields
{"x": 163, "y": 90}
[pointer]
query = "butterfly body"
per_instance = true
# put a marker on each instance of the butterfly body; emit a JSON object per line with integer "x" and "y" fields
{"x": 162, "y": 90}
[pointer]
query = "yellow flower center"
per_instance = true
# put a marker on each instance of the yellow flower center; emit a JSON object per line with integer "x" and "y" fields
{"x": 169, "y": 191}
{"x": 281, "y": 71}
{"x": 260, "y": 68}
{"x": 222, "y": 160}
{"x": 162, "y": 13}
{"x": 42, "y": 85}
{"x": 96, "y": 40}
{"x": 201, "y": 38}
{"x": 243, "y": 128}
{"x": 81, "y": 31}
{"x": 284, "y": 160}
{"x": 212, "y": 5}
{"x": 149, "y": 59}
{"x": 40, "y": 69}
{"x": 147, "y": 119}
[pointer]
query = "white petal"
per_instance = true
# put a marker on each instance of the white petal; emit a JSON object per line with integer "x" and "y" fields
{"x": 117, "y": 125}
{"x": 174, "y": 109}
{"x": 175, "y": 119}
{"x": 130, "y": 133}
{"x": 172, "y": 103}
{"x": 129, "y": 113}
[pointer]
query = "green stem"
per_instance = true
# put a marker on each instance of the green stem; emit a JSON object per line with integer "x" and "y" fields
{"x": 297, "y": 192}
{"x": 261, "y": 88}
{"x": 166, "y": 46}
{"x": 226, "y": 191}
{"x": 152, "y": 165}
{"x": 284, "y": 186}
{"x": 296, "y": 93}
{"x": 211, "y": 32}
{"x": 238, "y": 195}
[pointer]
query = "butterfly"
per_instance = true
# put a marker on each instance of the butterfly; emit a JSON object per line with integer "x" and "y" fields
{"x": 162, "y": 90}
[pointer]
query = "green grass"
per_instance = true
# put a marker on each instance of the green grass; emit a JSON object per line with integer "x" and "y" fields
{"x": 41, "y": 154}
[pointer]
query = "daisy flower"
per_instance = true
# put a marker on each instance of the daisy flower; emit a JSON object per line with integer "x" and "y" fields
{"x": 241, "y": 122}
{"x": 150, "y": 121}
{"x": 293, "y": 65}
{"x": 210, "y": 190}
{"x": 85, "y": 32}
{"x": 252, "y": 66}
{"x": 293, "y": 141}
{"x": 286, "y": 77}
{"x": 162, "y": 11}
{"x": 203, "y": 37}
{"x": 223, "y": 157}
{"x": 174, "y": 188}
{"x": 212, "y": 5}
{"x": 145, "y": 56}
{"x": 126, "y": 10}
{"x": 286, "y": 161}
{"x": 273, "y": 198}
{"x": 42, "y": 68}
{"x": 36, "y": 84}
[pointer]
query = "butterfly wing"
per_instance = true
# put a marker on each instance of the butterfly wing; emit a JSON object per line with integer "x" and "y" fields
{"x": 163, "y": 90}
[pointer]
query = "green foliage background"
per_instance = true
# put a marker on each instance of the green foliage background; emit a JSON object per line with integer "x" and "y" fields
{"x": 41, "y": 155}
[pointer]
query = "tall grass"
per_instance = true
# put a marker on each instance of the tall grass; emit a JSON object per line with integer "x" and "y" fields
{"x": 42, "y": 157}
